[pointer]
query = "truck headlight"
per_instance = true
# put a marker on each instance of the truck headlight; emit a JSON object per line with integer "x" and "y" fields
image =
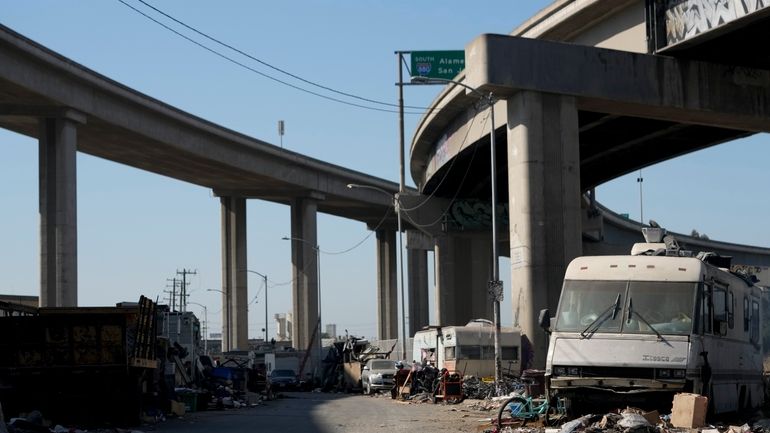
{"x": 559, "y": 371}
{"x": 679, "y": 374}
{"x": 664, "y": 373}
{"x": 573, "y": 371}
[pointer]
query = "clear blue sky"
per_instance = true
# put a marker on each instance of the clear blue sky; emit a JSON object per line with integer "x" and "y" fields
{"x": 136, "y": 229}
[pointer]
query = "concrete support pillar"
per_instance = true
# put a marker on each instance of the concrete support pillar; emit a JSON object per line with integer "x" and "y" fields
{"x": 235, "y": 324}
{"x": 418, "y": 290}
{"x": 544, "y": 201}
{"x": 463, "y": 267}
{"x": 305, "y": 272}
{"x": 387, "y": 285}
{"x": 58, "y": 213}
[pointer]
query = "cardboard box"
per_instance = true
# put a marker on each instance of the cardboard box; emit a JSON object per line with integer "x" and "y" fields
{"x": 689, "y": 410}
{"x": 177, "y": 408}
{"x": 652, "y": 417}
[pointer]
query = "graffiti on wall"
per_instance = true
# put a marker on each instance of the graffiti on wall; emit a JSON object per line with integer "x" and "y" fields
{"x": 688, "y": 18}
{"x": 476, "y": 215}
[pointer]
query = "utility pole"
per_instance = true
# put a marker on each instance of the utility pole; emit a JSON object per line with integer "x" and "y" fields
{"x": 397, "y": 197}
{"x": 172, "y": 292}
{"x": 183, "y": 292}
{"x": 639, "y": 180}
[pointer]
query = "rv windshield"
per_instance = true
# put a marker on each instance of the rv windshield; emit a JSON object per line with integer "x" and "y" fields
{"x": 663, "y": 305}
{"x": 582, "y": 302}
{"x": 648, "y": 306}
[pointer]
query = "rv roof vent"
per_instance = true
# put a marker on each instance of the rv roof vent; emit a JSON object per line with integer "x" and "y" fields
{"x": 653, "y": 234}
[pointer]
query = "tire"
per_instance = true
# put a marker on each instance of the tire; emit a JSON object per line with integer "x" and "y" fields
{"x": 514, "y": 412}
{"x": 552, "y": 416}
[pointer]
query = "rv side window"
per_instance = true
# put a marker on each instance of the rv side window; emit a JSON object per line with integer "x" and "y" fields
{"x": 720, "y": 304}
{"x": 509, "y": 353}
{"x": 754, "y": 334}
{"x": 707, "y": 305}
{"x": 745, "y": 314}
{"x": 449, "y": 353}
{"x": 470, "y": 352}
{"x": 730, "y": 310}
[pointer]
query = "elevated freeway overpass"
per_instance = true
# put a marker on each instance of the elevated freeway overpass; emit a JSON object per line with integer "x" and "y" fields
{"x": 69, "y": 108}
{"x": 587, "y": 91}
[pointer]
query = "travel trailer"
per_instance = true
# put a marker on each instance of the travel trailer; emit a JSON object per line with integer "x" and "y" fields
{"x": 655, "y": 323}
{"x": 468, "y": 349}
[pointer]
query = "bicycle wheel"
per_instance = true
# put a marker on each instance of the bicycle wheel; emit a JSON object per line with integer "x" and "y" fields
{"x": 514, "y": 412}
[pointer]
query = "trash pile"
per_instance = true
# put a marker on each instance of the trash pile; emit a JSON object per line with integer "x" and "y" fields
{"x": 631, "y": 420}
{"x": 688, "y": 415}
{"x": 34, "y": 422}
{"x": 476, "y": 388}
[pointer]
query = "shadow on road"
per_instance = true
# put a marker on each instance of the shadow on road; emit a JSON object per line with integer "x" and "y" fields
{"x": 294, "y": 412}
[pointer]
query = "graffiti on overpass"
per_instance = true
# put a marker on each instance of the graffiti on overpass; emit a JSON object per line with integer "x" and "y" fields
{"x": 688, "y": 18}
{"x": 476, "y": 215}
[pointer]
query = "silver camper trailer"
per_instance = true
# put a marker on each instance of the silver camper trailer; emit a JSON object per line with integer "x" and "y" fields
{"x": 468, "y": 349}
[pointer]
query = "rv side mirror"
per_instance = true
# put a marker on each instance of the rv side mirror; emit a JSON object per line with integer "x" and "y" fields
{"x": 545, "y": 319}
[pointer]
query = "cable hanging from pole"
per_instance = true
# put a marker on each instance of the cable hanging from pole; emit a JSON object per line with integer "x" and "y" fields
{"x": 264, "y": 75}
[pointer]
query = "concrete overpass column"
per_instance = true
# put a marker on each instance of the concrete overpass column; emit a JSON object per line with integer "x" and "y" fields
{"x": 445, "y": 283}
{"x": 417, "y": 246}
{"x": 463, "y": 267}
{"x": 387, "y": 285}
{"x": 544, "y": 201}
{"x": 479, "y": 258}
{"x": 58, "y": 212}
{"x": 235, "y": 333}
{"x": 418, "y": 290}
{"x": 304, "y": 260}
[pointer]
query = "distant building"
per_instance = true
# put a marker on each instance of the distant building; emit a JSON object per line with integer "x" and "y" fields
{"x": 283, "y": 324}
{"x": 331, "y": 330}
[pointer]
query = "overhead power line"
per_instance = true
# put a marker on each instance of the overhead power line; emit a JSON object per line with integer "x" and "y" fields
{"x": 260, "y": 73}
{"x": 262, "y": 62}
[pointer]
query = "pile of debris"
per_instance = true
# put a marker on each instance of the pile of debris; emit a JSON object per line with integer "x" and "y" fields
{"x": 633, "y": 420}
{"x": 34, "y": 422}
{"x": 475, "y": 388}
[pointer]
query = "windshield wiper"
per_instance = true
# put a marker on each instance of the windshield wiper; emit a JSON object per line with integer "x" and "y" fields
{"x": 631, "y": 311}
{"x": 601, "y": 318}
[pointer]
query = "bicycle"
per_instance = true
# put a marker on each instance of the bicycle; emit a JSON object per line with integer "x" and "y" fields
{"x": 518, "y": 410}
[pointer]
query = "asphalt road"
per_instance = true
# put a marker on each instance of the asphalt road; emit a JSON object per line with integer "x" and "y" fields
{"x": 327, "y": 413}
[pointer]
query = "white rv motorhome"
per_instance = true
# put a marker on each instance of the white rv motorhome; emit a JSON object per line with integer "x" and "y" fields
{"x": 655, "y": 323}
{"x": 468, "y": 349}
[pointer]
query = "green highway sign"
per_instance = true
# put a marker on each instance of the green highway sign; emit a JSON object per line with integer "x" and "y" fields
{"x": 437, "y": 64}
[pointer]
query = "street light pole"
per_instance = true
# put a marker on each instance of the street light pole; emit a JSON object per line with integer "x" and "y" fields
{"x": 317, "y": 249}
{"x": 264, "y": 277}
{"x": 226, "y": 328}
{"x": 494, "y": 286}
{"x": 205, "y": 326}
{"x": 397, "y": 206}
